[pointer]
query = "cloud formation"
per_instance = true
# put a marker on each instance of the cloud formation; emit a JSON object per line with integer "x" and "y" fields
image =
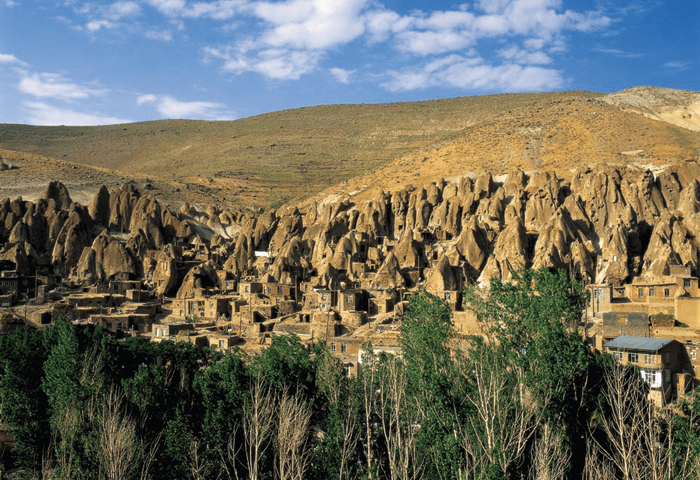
{"x": 169, "y": 107}
{"x": 52, "y": 85}
{"x": 40, "y": 113}
{"x": 474, "y": 73}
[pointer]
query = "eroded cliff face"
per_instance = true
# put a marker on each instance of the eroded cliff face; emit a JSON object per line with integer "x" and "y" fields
{"x": 604, "y": 224}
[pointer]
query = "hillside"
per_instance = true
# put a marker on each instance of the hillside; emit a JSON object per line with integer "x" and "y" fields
{"x": 273, "y": 158}
{"x": 287, "y": 156}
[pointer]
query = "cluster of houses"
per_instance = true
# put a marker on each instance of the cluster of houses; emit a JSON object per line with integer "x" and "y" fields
{"x": 653, "y": 323}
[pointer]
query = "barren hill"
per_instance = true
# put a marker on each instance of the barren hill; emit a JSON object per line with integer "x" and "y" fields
{"x": 286, "y": 156}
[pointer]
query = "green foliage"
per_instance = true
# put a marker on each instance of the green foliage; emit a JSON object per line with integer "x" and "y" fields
{"x": 23, "y": 404}
{"x": 286, "y": 362}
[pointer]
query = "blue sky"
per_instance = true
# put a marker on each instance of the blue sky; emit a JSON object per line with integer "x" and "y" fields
{"x": 76, "y": 62}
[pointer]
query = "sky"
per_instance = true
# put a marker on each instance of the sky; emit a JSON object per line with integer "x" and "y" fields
{"x": 76, "y": 62}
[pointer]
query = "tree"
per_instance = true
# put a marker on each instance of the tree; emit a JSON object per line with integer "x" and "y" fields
{"x": 23, "y": 403}
{"x": 532, "y": 323}
{"x": 426, "y": 342}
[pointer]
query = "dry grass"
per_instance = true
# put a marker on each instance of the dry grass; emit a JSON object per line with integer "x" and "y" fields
{"x": 283, "y": 157}
{"x": 272, "y": 158}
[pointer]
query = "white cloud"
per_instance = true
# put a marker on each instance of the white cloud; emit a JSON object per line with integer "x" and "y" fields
{"x": 119, "y": 10}
{"x": 274, "y": 63}
{"x": 342, "y": 75}
{"x": 619, "y": 53}
{"x": 677, "y": 65}
{"x": 168, "y": 7}
{"x": 432, "y": 43}
{"x": 517, "y": 55}
{"x": 162, "y": 35}
{"x": 218, "y": 10}
{"x": 51, "y": 85}
{"x": 473, "y": 73}
{"x": 148, "y": 98}
{"x": 10, "y": 3}
{"x": 169, "y": 107}
{"x": 96, "y": 25}
{"x": 311, "y": 24}
{"x": 9, "y": 59}
{"x": 41, "y": 113}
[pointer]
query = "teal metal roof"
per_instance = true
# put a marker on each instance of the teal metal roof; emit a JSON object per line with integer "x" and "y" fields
{"x": 646, "y": 344}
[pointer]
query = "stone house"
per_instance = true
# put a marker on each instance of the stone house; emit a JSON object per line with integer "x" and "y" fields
{"x": 676, "y": 295}
{"x": 168, "y": 331}
{"x": 660, "y": 363}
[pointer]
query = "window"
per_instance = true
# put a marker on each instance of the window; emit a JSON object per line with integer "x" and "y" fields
{"x": 652, "y": 292}
{"x": 269, "y": 290}
{"x": 633, "y": 357}
{"x": 667, "y": 292}
{"x": 346, "y": 370}
{"x": 686, "y": 283}
{"x": 641, "y": 293}
{"x": 667, "y": 375}
{"x": 447, "y": 296}
{"x": 280, "y": 290}
{"x": 343, "y": 347}
{"x": 247, "y": 289}
{"x": 614, "y": 258}
{"x": 649, "y": 359}
{"x": 221, "y": 344}
{"x": 211, "y": 304}
{"x": 333, "y": 347}
{"x": 349, "y": 298}
{"x": 617, "y": 356}
{"x": 692, "y": 353}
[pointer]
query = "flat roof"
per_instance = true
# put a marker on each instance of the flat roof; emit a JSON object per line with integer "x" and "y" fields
{"x": 648, "y": 344}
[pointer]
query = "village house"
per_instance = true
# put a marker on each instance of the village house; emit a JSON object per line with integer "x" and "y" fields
{"x": 676, "y": 294}
{"x": 660, "y": 363}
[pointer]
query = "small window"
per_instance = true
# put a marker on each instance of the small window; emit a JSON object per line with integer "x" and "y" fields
{"x": 686, "y": 283}
{"x": 652, "y": 292}
{"x": 614, "y": 258}
{"x": 667, "y": 292}
{"x": 641, "y": 293}
{"x": 221, "y": 344}
{"x": 269, "y": 290}
{"x": 346, "y": 370}
{"x": 692, "y": 353}
{"x": 649, "y": 359}
{"x": 343, "y": 347}
{"x": 617, "y": 356}
{"x": 447, "y": 296}
{"x": 280, "y": 290}
{"x": 333, "y": 347}
{"x": 246, "y": 289}
{"x": 633, "y": 357}
{"x": 349, "y": 298}
{"x": 667, "y": 374}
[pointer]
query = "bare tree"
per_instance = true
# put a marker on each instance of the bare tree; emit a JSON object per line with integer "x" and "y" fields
{"x": 505, "y": 416}
{"x": 258, "y": 424}
{"x": 368, "y": 373}
{"x": 292, "y": 440}
{"x": 637, "y": 444}
{"x": 550, "y": 457}
{"x": 117, "y": 438}
{"x": 333, "y": 383}
{"x": 399, "y": 420}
